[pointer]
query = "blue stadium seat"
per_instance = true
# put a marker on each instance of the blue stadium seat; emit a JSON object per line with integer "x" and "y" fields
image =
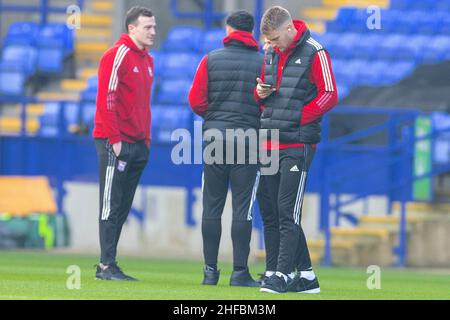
{"x": 92, "y": 82}
{"x": 158, "y": 62}
{"x": 414, "y": 48}
{"x": 441, "y": 5}
{"x": 348, "y": 75}
{"x": 173, "y": 92}
{"x": 90, "y": 93}
{"x": 342, "y": 48}
{"x": 49, "y": 120}
{"x": 180, "y": 65}
{"x": 441, "y": 154}
{"x": 444, "y": 27}
{"x": 390, "y": 47}
{"x": 56, "y": 35}
{"x": 88, "y": 114}
{"x": 24, "y": 56}
{"x": 12, "y": 79}
{"x": 183, "y": 39}
{"x": 413, "y": 4}
{"x": 22, "y": 33}
{"x": 166, "y": 119}
{"x": 395, "y": 72}
{"x": 367, "y": 46}
{"x": 343, "y": 91}
{"x": 327, "y": 39}
{"x": 50, "y": 60}
{"x": 213, "y": 39}
{"x": 372, "y": 73}
{"x": 437, "y": 50}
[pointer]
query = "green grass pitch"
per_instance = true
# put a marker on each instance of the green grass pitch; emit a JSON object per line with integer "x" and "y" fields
{"x": 42, "y": 275}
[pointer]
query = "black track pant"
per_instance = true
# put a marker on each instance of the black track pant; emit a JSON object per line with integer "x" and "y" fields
{"x": 243, "y": 179}
{"x": 119, "y": 178}
{"x": 269, "y": 214}
{"x": 288, "y": 188}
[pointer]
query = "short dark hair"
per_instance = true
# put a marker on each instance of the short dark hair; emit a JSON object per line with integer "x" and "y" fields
{"x": 241, "y": 20}
{"x": 134, "y": 13}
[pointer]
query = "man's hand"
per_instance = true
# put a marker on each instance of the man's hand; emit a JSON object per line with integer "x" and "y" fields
{"x": 263, "y": 92}
{"x": 117, "y": 147}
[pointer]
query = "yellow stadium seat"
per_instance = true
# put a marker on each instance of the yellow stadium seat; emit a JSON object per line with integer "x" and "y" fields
{"x": 21, "y": 196}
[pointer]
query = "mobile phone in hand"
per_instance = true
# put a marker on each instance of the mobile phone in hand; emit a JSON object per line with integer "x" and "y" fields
{"x": 266, "y": 86}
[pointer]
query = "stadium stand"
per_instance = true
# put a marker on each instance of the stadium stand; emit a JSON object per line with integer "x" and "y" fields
{"x": 412, "y": 33}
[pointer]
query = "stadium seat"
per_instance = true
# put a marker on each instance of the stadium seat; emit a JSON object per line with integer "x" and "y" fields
{"x": 183, "y": 39}
{"x": 50, "y": 60}
{"x": 166, "y": 119}
{"x": 92, "y": 82}
{"x": 90, "y": 93}
{"x": 23, "y": 56}
{"x": 174, "y": 92}
{"x": 56, "y": 35}
{"x": 394, "y": 72}
{"x": 88, "y": 114}
{"x": 180, "y": 65}
{"x": 213, "y": 39}
{"x": 441, "y": 121}
{"x": 341, "y": 46}
{"x": 12, "y": 80}
{"x": 49, "y": 120}
{"x": 444, "y": 27}
{"x": 158, "y": 62}
{"x": 343, "y": 91}
{"x": 22, "y": 33}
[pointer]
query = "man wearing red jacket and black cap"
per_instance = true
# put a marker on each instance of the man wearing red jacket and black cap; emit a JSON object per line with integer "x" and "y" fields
{"x": 222, "y": 93}
{"x": 302, "y": 89}
{"x": 122, "y": 130}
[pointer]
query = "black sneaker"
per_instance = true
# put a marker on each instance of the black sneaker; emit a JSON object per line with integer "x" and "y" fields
{"x": 262, "y": 278}
{"x": 98, "y": 271}
{"x": 242, "y": 279}
{"x": 112, "y": 272}
{"x": 275, "y": 284}
{"x": 303, "y": 285}
{"x": 210, "y": 276}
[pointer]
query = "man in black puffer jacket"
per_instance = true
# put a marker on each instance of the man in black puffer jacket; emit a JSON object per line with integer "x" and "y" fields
{"x": 296, "y": 88}
{"x": 222, "y": 94}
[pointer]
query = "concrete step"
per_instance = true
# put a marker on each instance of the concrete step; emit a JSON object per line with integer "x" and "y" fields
{"x": 389, "y": 219}
{"x": 33, "y": 109}
{"x": 86, "y": 73}
{"x": 349, "y": 232}
{"x": 58, "y": 96}
{"x": 355, "y": 3}
{"x": 320, "y": 14}
{"x": 101, "y": 6}
{"x": 317, "y": 27}
{"x": 90, "y": 33}
{"x": 88, "y": 59}
{"x": 423, "y": 207}
{"x": 372, "y": 245}
{"x": 73, "y": 85}
{"x": 12, "y": 125}
{"x": 90, "y": 47}
{"x": 99, "y": 20}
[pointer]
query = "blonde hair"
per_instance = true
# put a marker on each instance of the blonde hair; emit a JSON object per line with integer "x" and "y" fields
{"x": 274, "y": 18}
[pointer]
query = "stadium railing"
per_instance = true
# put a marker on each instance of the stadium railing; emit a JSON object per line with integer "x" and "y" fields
{"x": 405, "y": 156}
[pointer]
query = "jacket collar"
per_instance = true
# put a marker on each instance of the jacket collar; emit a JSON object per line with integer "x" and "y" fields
{"x": 241, "y": 37}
